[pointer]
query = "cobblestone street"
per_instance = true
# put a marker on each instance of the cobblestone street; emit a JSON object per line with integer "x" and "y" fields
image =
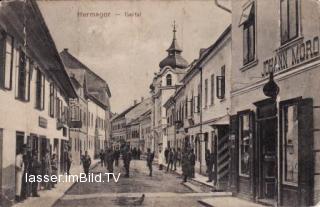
{"x": 163, "y": 189}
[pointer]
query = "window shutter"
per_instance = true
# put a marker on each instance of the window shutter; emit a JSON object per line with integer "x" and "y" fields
{"x": 305, "y": 151}
{"x": 223, "y": 87}
{"x": 219, "y": 87}
{"x": 2, "y": 59}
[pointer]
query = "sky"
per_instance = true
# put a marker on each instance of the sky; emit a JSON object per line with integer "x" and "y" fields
{"x": 126, "y": 50}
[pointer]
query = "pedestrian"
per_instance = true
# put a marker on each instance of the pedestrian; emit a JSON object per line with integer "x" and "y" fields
{"x": 35, "y": 171}
{"x": 138, "y": 153}
{"x": 46, "y": 168}
{"x": 110, "y": 160}
{"x": 175, "y": 158}
{"x": 26, "y": 186}
{"x": 19, "y": 173}
{"x": 192, "y": 158}
{"x": 179, "y": 157}
{"x": 101, "y": 158}
{"x": 116, "y": 157}
{"x": 54, "y": 168}
{"x": 127, "y": 156}
{"x": 185, "y": 164}
{"x": 86, "y": 162}
{"x": 161, "y": 159}
{"x": 207, "y": 157}
{"x": 211, "y": 160}
{"x": 150, "y": 157}
{"x": 105, "y": 158}
{"x": 170, "y": 160}
{"x": 166, "y": 154}
{"x": 68, "y": 159}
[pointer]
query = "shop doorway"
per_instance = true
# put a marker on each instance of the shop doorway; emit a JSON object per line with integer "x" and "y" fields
{"x": 267, "y": 150}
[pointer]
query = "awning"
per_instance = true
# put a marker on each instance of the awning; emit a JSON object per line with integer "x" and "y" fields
{"x": 245, "y": 14}
{"x": 224, "y": 120}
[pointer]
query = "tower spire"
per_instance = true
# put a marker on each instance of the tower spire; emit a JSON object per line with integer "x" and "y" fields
{"x": 174, "y": 30}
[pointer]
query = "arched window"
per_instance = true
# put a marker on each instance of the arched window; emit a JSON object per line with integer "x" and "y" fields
{"x": 169, "y": 80}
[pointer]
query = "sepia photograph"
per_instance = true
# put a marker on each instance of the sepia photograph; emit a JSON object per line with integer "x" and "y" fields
{"x": 158, "y": 103}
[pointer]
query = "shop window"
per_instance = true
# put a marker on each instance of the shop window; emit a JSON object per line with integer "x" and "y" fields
{"x": 289, "y": 20}
{"x": 40, "y": 85}
{"x": 290, "y": 143}
{"x": 248, "y": 22}
{"x": 244, "y": 145}
{"x": 6, "y": 61}
{"x": 169, "y": 80}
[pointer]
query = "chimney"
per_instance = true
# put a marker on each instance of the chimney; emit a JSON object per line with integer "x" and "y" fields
{"x": 142, "y": 98}
{"x": 135, "y": 102}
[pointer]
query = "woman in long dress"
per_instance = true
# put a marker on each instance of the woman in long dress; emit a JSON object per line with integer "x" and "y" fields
{"x": 19, "y": 174}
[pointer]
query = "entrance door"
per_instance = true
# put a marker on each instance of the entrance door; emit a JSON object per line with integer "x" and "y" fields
{"x": 267, "y": 157}
{"x": 266, "y": 151}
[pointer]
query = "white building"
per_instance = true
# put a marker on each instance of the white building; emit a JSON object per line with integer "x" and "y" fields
{"x": 34, "y": 93}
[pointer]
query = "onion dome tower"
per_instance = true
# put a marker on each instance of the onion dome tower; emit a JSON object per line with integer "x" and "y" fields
{"x": 174, "y": 58}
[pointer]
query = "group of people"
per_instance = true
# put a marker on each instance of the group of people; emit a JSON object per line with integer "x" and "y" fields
{"x": 29, "y": 163}
{"x": 108, "y": 157}
{"x": 136, "y": 153}
{"x": 171, "y": 158}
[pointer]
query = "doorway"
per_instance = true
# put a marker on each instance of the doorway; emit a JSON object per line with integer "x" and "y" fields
{"x": 267, "y": 132}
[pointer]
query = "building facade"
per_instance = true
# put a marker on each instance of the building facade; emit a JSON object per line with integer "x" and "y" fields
{"x": 35, "y": 90}
{"x": 275, "y": 101}
{"x": 92, "y": 109}
{"x": 164, "y": 84}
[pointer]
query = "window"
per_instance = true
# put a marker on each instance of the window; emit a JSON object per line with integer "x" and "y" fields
{"x": 58, "y": 112}
{"x": 289, "y": 20}
{"x": 221, "y": 84}
{"x": 212, "y": 90}
{"x": 23, "y": 77}
{"x": 40, "y": 84}
{"x": 169, "y": 80}
{"x": 248, "y": 21}
{"x": 206, "y": 92}
{"x": 52, "y": 100}
{"x": 6, "y": 61}
{"x": 244, "y": 144}
{"x": 290, "y": 143}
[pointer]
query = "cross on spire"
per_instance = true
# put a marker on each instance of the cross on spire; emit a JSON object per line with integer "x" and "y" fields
{"x": 174, "y": 29}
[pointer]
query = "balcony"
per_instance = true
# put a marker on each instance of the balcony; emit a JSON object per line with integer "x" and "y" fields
{"x": 75, "y": 124}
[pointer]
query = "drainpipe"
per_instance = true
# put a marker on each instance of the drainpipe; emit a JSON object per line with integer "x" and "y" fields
{"x": 222, "y": 7}
{"x": 200, "y": 107}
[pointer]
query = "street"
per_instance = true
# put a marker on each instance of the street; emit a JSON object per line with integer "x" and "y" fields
{"x": 163, "y": 189}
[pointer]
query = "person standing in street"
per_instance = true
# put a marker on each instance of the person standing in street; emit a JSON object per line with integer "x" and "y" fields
{"x": 170, "y": 160}
{"x": 54, "y": 167}
{"x": 68, "y": 159}
{"x": 138, "y": 154}
{"x": 116, "y": 157}
{"x": 19, "y": 173}
{"x": 110, "y": 160}
{"x": 101, "y": 155}
{"x": 46, "y": 162}
{"x": 192, "y": 158}
{"x": 185, "y": 164}
{"x": 86, "y": 162}
{"x": 210, "y": 163}
{"x": 150, "y": 157}
{"x": 35, "y": 171}
{"x": 179, "y": 157}
{"x": 161, "y": 159}
{"x": 26, "y": 186}
{"x": 166, "y": 154}
{"x": 175, "y": 158}
{"x": 126, "y": 161}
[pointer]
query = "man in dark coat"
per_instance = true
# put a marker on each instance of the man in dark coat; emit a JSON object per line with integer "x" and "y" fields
{"x": 35, "y": 171}
{"x": 192, "y": 158}
{"x": 126, "y": 161}
{"x": 166, "y": 154}
{"x": 185, "y": 164}
{"x": 116, "y": 157}
{"x": 101, "y": 155}
{"x": 211, "y": 159}
{"x": 170, "y": 160}
{"x": 110, "y": 160}
{"x": 86, "y": 162}
{"x": 150, "y": 157}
